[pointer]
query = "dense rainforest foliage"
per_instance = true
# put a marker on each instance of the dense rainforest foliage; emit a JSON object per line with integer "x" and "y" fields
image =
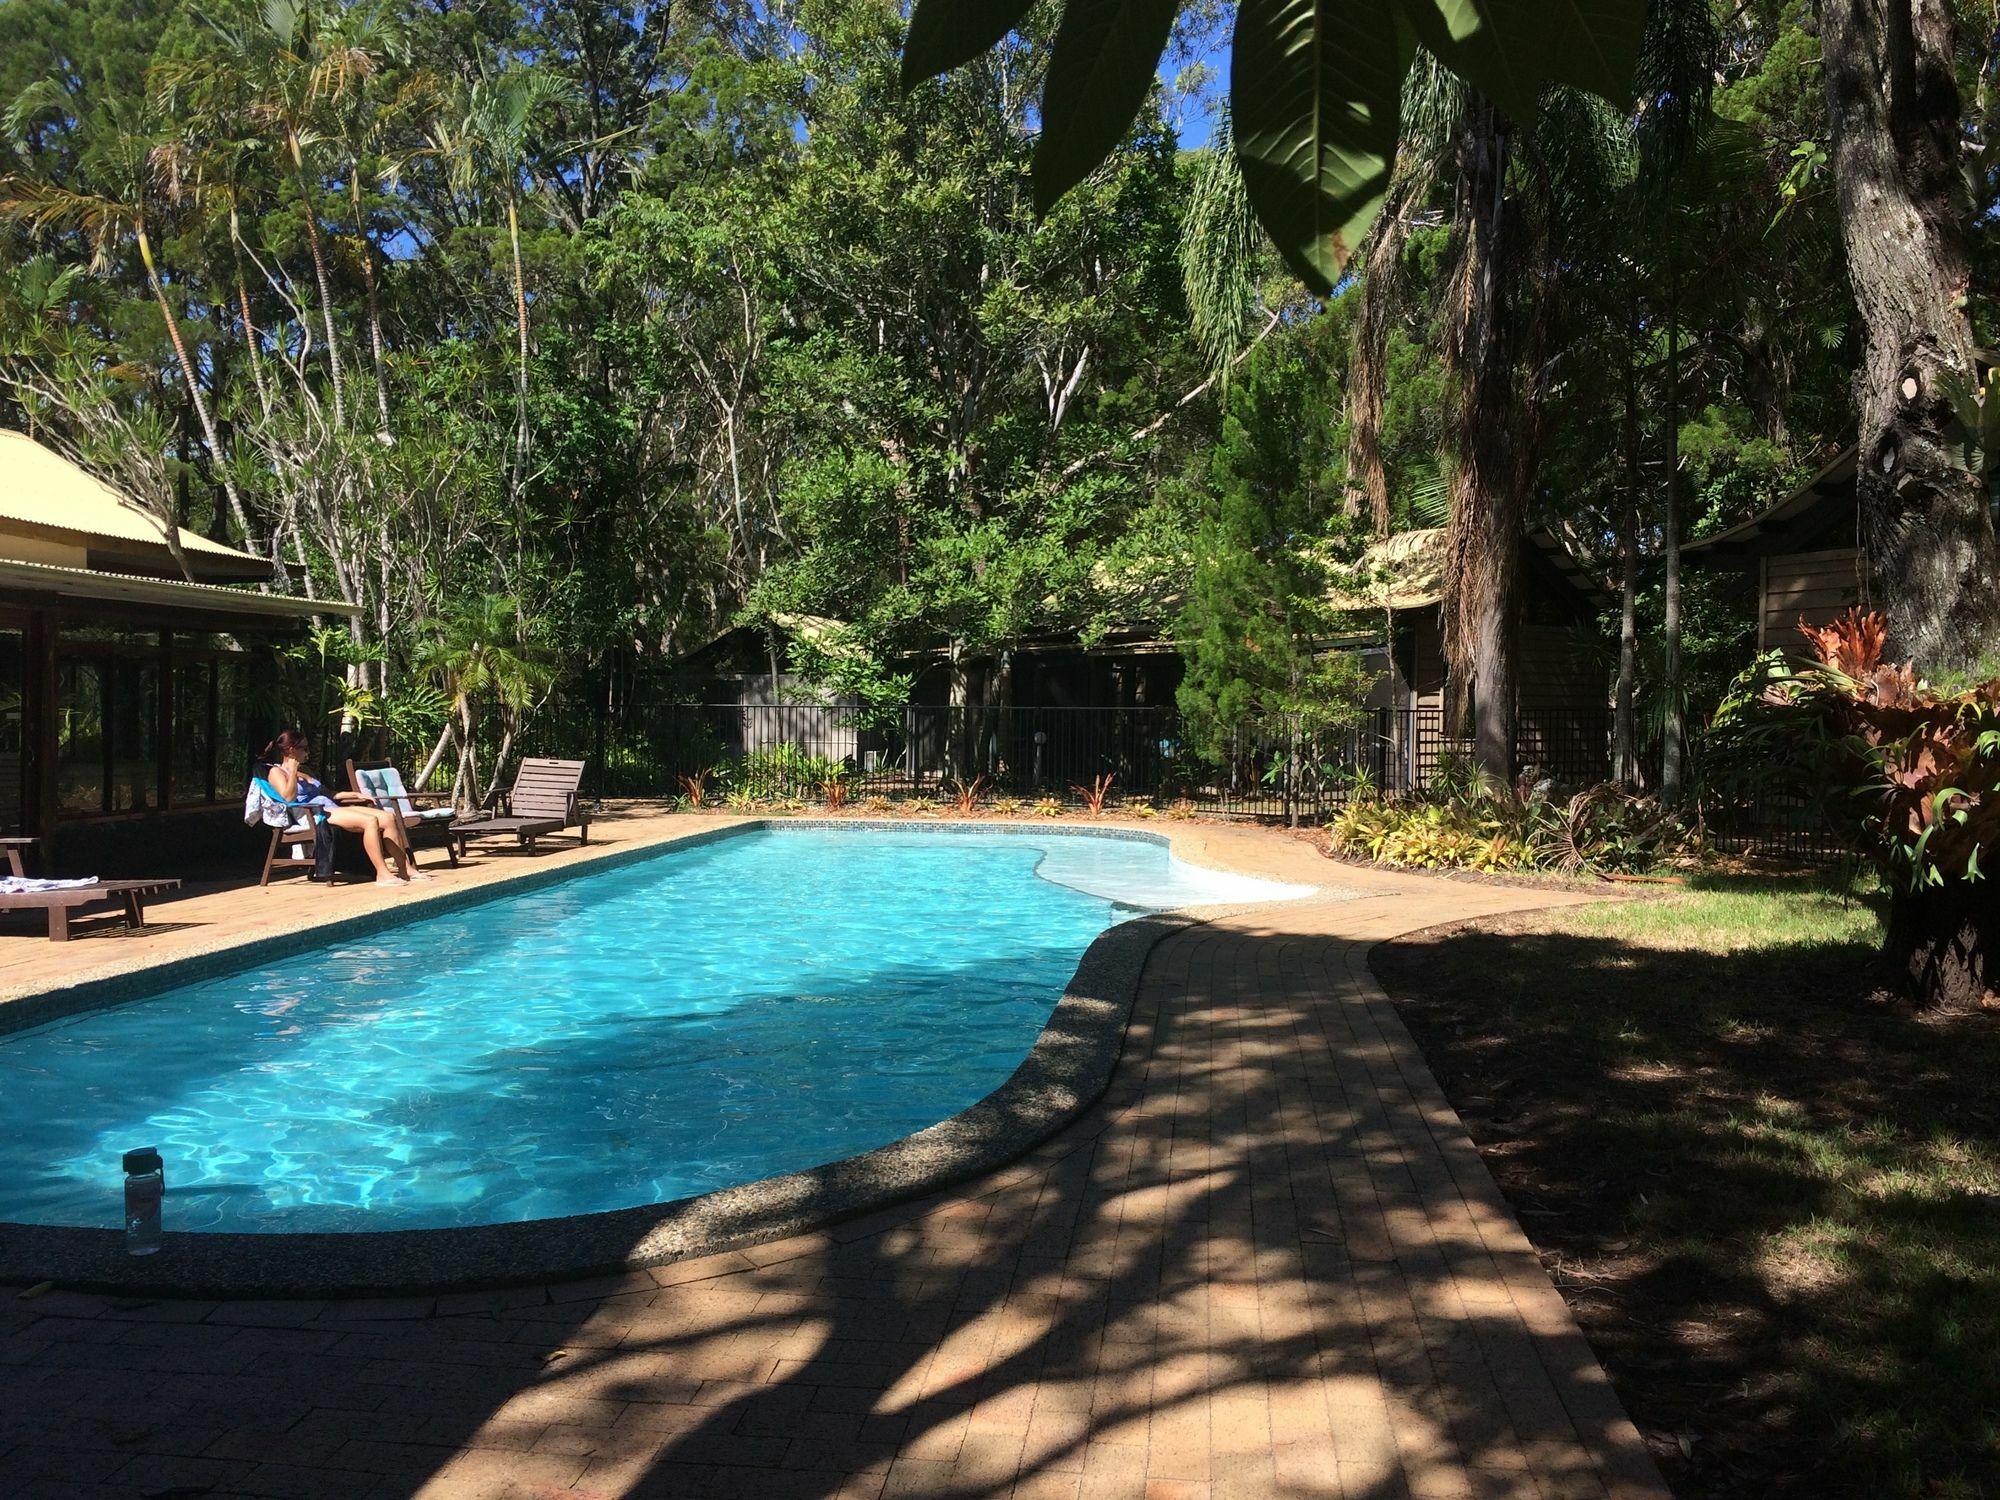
{"x": 564, "y": 335}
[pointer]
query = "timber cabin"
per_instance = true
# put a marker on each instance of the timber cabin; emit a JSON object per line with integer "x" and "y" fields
{"x": 131, "y": 698}
{"x": 1562, "y": 720}
{"x": 1800, "y": 559}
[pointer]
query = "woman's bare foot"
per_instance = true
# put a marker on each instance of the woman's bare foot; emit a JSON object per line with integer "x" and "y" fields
{"x": 390, "y": 880}
{"x": 416, "y": 874}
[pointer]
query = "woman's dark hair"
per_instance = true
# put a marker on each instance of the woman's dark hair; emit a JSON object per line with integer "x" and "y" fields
{"x": 289, "y": 743}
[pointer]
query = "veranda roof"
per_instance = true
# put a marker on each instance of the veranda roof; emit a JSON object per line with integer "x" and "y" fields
{"x": 33, "y": 583}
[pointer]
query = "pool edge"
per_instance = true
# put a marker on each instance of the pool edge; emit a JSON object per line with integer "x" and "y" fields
{"x": 1066, "y": 1071}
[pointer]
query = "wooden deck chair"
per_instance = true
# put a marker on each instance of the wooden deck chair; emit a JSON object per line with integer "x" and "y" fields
{"x": 425, "y": 814}
{"x": 297, "y": 838}
{"x": 543, "y": 801}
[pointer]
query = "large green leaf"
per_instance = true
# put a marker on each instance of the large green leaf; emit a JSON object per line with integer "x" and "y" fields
{"x": 1512, "y": 49}
{"x": 947, "y": 33}
{"x": 1314, "y": 89}
{"x": 1107, "y": 52}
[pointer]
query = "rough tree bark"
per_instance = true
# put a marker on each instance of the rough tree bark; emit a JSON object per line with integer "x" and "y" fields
{"x": 1494, "y": 348}
{"x": 1624, "y": 728}
{"x": 1673, "y": 727}
{"x": 1893, "y": 107}
{"x": 1894, "y": 112}
{"x": 1940, "y": 942}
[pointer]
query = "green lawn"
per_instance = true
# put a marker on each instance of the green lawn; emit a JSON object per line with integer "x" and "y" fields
{"x": 1772, "y": 1195}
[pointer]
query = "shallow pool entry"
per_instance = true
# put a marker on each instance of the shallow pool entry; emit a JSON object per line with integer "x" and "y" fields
{"x": 710, "y": 1016}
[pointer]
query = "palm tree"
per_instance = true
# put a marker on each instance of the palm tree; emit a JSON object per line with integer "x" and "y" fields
{"x": 490, "y": 140}
{"x": 289, "y": 76}
{"x": 477, "y": 652}
{"x": 123, "y": 142}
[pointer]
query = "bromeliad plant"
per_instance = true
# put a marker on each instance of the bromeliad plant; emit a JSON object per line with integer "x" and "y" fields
{"x": 1923, "y": 763}
{"x": 833, "y": 785}
{"x": 1600, "y": 830}
{"x": 1092, "y": 796}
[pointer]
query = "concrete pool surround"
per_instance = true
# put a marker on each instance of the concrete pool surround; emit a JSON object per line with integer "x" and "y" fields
{"x": 1063, "y": 1073}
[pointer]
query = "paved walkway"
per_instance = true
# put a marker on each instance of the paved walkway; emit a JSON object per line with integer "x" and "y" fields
{"x": 1269, "y": 1263}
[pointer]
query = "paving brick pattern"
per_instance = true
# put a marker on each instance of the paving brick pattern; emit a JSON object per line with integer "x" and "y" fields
{"x": 1269, "y": 1263}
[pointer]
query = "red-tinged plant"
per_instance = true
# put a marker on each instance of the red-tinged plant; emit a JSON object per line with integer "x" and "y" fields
{"x": 694, "y": 786}
{"x": 1092, "y": 796}
{"x": 833, "y": 791}
{"x": 1924, "y": 765}
{"x": 966, "y": 795}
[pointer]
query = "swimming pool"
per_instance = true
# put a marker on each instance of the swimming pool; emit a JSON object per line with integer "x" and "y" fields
{"x": 706, "y": 1017}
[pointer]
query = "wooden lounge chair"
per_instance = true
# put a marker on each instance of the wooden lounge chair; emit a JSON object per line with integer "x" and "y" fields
{"x": 427, "y": 816}
{"x": 295, "y": 842}
{"x": 544, "y": 801}
{"x": 131, "y": 894}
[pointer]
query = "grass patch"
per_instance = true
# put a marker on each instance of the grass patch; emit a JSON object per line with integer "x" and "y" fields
{"x": 1771, "y": 1195}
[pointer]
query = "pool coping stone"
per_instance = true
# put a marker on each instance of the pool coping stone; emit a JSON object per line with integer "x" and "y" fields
{"x": 1063, "y": 1074}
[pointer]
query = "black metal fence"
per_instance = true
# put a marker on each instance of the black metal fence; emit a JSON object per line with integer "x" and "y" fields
{"x": 775, "y": 750}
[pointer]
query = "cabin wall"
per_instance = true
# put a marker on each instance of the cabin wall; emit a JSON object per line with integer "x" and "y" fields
{"x": 1562, "y": 704}
{"x": 1813, "y": 586}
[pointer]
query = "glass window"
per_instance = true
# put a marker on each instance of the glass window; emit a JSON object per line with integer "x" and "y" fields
{"x": 237, "y": 725}
{"x": 192, "y": 748}
{"x": 13, "y": 677}
{"x": 80, "y": 773}
{"x": 135, "y": 735}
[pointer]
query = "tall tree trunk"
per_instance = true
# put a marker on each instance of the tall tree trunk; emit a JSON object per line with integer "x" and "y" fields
{"x": 521, "y": 363}
{"x": 325, "y": 283}
{"x": 958, "y": 711}
{"x": 1624, "y": 732}
{"x": 195, "y": 396}
{"x": 1673, "y": 731}
{"x": 1367, "y": 481}
{"x": 374, "y": 300}
{"x": 1893, "y": 107}
{"x": 1494, "y": 348}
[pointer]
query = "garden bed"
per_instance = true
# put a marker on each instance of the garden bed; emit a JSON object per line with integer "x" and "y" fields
{"x": 1769, "y": 1192}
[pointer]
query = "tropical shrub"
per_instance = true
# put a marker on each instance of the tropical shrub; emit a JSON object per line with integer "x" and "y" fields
{"x": 1917, "y": 767}
{"x": 778, "y": 771}
{"x": 1600, "y": 830}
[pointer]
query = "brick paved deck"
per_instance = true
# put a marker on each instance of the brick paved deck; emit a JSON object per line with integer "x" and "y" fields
{"x": 1269, "y": 1263}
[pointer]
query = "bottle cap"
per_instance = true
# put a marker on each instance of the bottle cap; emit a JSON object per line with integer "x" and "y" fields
{"x": 145, "y": 1159}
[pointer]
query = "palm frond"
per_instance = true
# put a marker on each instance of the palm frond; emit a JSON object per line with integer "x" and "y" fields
{"x": 1219, "y": 254}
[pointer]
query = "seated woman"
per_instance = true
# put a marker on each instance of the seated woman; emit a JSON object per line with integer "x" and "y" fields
{"x": 283, "y": 765}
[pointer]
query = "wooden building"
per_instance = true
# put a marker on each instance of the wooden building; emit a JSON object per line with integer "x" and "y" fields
{"x": 130, "y": 696}
{"x": 1798, "y": 560}
{"x": 1562, "y": 718}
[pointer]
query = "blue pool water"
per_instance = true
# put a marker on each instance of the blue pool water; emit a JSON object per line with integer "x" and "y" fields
{"x": 756, "y": 1005}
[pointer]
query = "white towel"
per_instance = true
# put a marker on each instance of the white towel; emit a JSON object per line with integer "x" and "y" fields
{"x": 24, "y": 885}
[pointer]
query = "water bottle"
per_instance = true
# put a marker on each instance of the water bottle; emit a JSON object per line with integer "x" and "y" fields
{"x": 145, "y": 1186}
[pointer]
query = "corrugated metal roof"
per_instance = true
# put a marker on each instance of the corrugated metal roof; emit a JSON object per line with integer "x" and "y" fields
{"x": 85, "y": 585}
{"x": 1404, "y": 571}
{"x": 42, "y": 489}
